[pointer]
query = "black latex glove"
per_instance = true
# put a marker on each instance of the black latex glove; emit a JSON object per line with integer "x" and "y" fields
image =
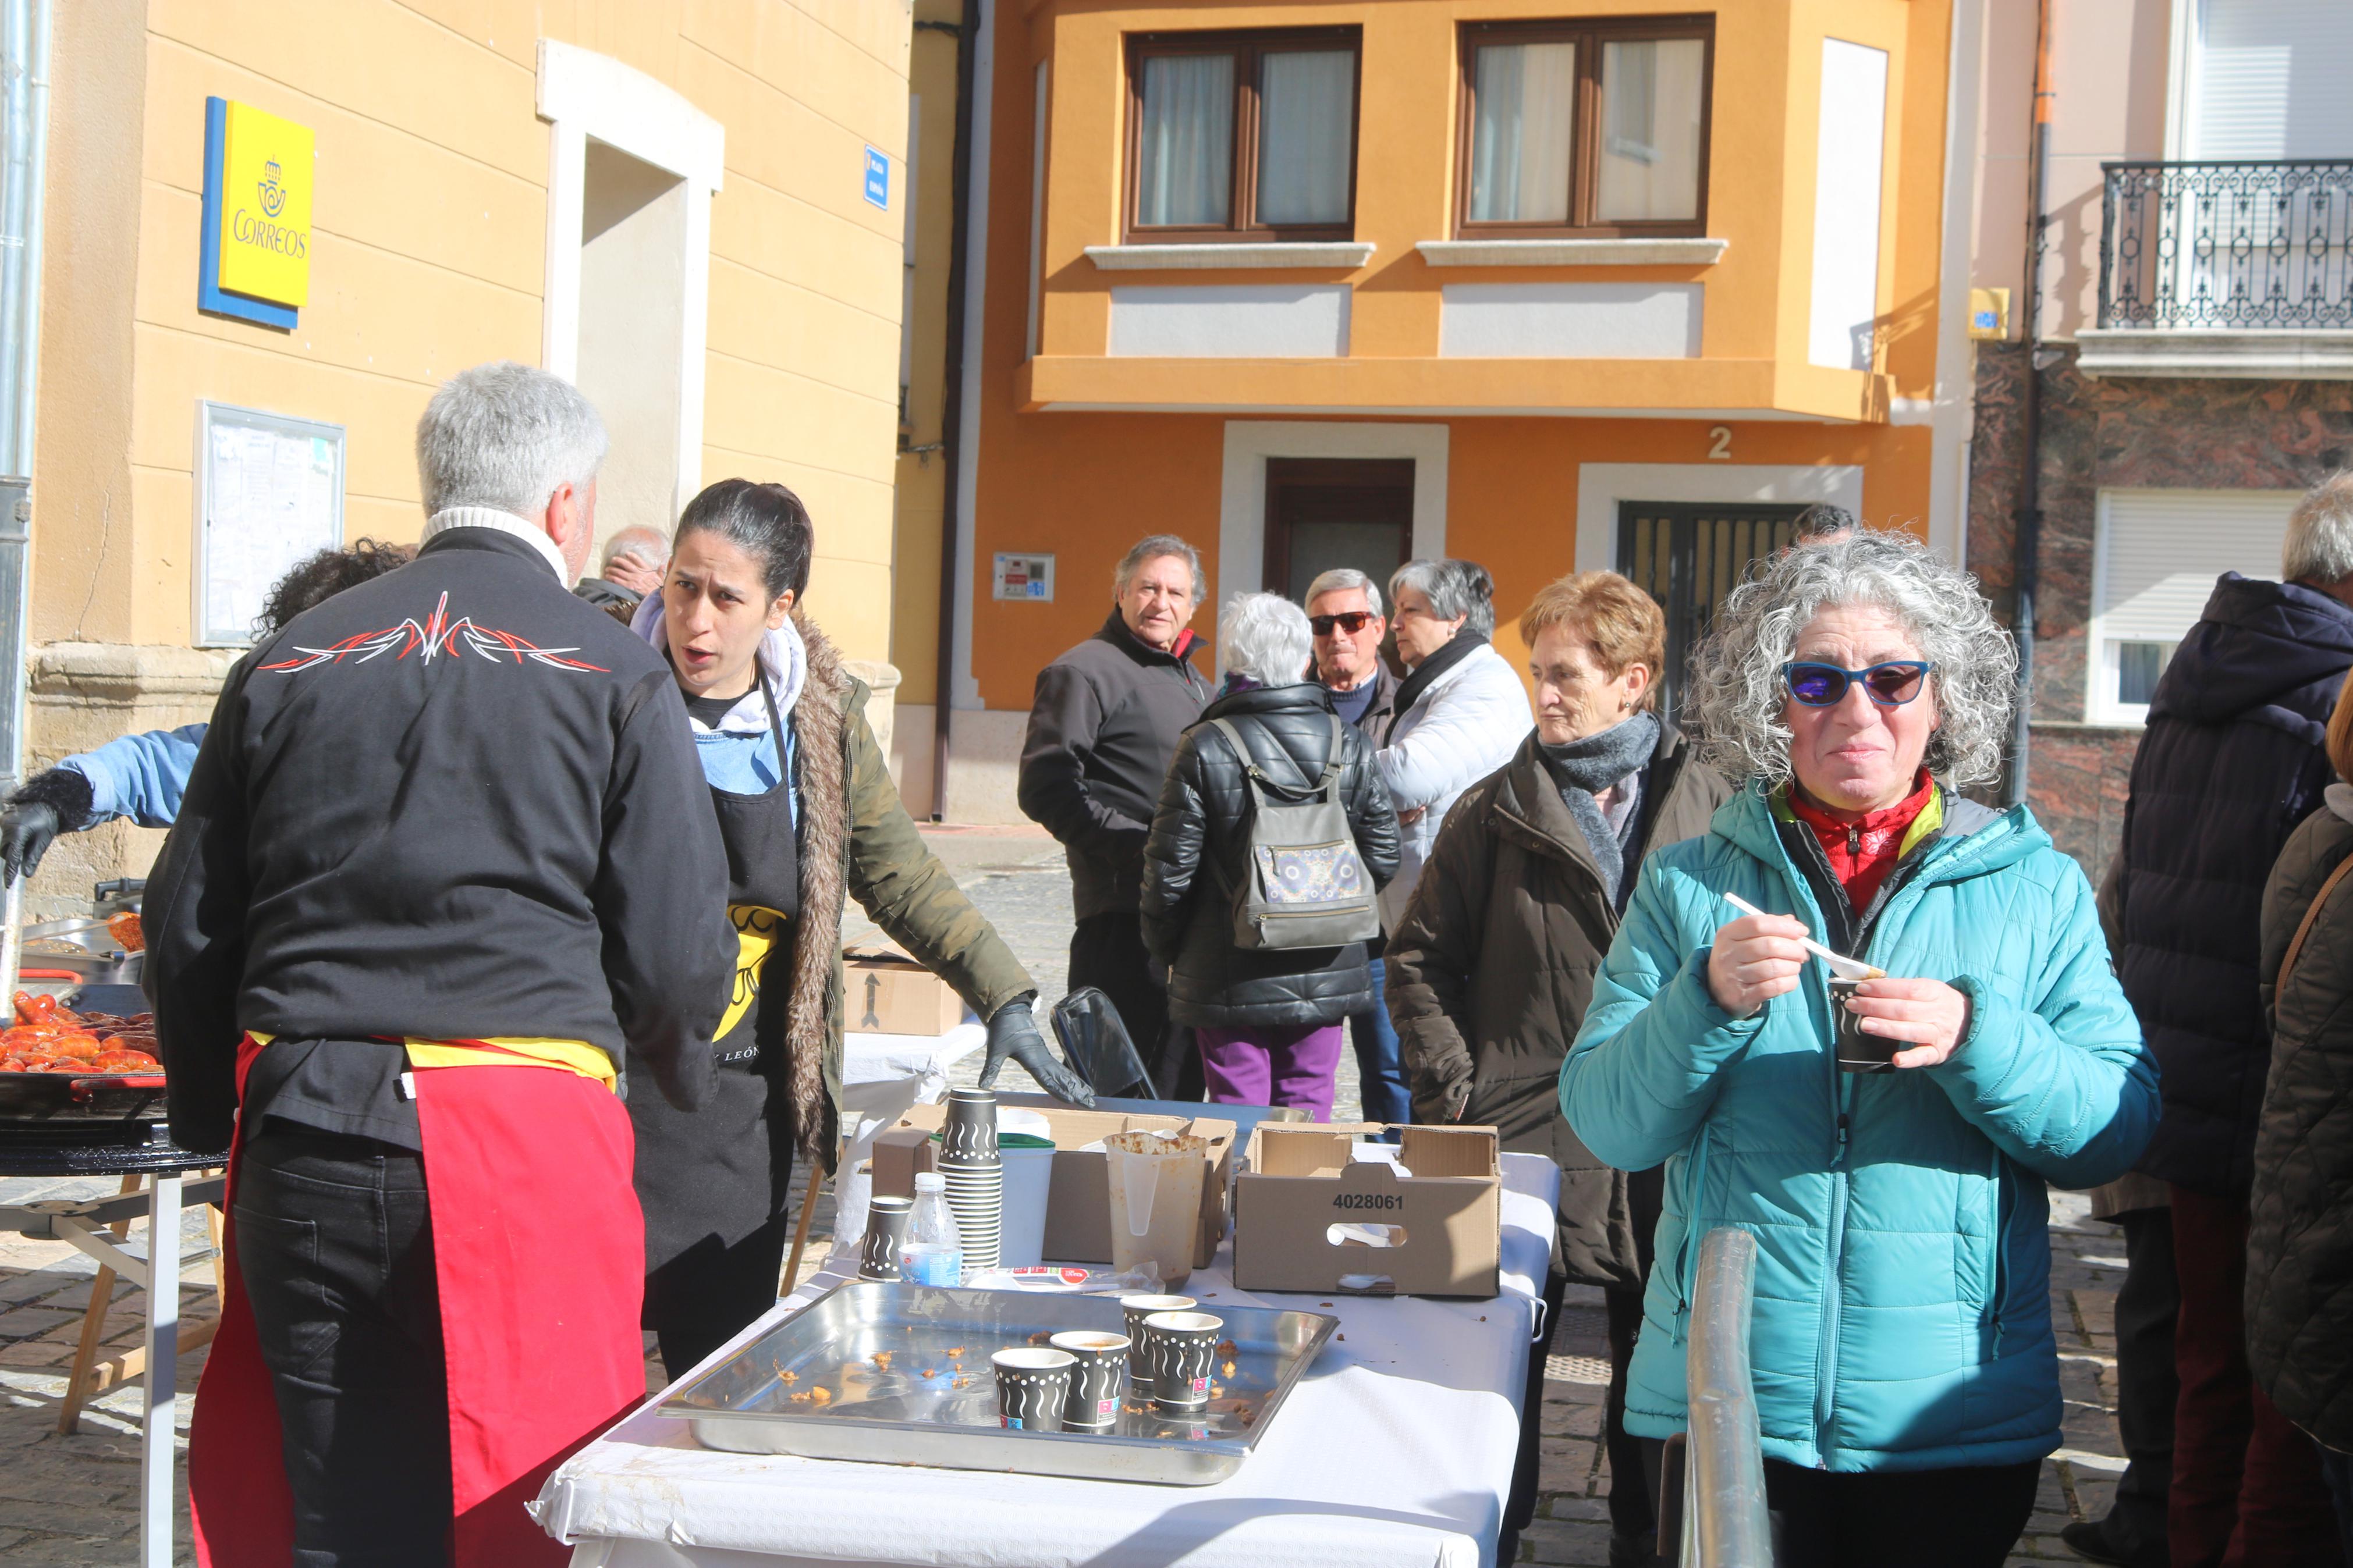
{"x": 27, "y": 829}
{"x": 1014, "y": 1033}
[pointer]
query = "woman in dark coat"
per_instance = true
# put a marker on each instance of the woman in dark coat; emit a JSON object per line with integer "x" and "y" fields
{"x": 1493, "y": 965}
{"x": 1268, "y": 1020}
{"x": 2300, "y": 1231}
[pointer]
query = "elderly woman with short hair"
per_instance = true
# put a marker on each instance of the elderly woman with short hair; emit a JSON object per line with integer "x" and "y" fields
{"x": 1907, "y": 1382}
{"x": 1267, "y": 1020}
{"x": 1491, "y": 967}
{"x": 1460, "y": 711}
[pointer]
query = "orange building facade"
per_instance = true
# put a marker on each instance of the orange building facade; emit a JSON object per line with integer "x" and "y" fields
{"x": 1549, "y": 284}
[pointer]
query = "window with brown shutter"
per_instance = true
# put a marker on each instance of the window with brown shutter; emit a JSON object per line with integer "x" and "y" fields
{"x": 1585, "y": 129}
{"x": 1234, "y": 136}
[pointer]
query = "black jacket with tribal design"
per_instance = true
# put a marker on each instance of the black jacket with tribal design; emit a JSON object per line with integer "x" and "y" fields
{"x": 455, "y": 802}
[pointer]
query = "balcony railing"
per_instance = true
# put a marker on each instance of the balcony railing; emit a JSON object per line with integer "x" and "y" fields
{"x": 2227, "y": 246}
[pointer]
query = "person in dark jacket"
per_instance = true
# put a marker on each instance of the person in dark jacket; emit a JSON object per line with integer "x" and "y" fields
{"x": 1343, "y": 612}
{"x": 2230, "y": 762}
{"x": 1494, "y": 960}
{"x": 445, "y": 865}
{"x": 2300, "y": 1224}
{"x": 1267, "y": 1020}
{"x": 1102, "y": 731}
{"x": 808, "y": 815}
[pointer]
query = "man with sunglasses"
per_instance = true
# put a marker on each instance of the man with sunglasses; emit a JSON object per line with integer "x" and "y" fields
{"x": 1343, "y": 612}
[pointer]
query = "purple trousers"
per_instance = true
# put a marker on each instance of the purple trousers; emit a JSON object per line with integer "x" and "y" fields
{"x": 1289, "y": 1065}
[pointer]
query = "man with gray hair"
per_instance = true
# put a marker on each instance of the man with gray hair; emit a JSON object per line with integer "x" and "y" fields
{"x": 634, "y": 561}
{"x": 1343, "y": 613}
{"x": 2229, "y": 762}
{"x": 1106, "y": 719}
{"x": 446, "y": 865}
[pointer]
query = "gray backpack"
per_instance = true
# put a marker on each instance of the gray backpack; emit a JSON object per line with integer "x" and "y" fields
{"x": 1303, "y": 884}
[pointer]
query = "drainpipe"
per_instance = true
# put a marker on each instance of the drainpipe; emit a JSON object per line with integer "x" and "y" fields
{"x": 24, "y": 163}
{"x": 2028, "y": 516}
{"x": 952, "y": 402}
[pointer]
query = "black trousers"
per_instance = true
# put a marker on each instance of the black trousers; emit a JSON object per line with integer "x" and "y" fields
{"x": 1107, "y": 952}
{"x": 334, "y": 1245}
{"x": 709, "y": 1293}
{"x": 2146, "y": 1386}
{"x": 1966, "y": 1517}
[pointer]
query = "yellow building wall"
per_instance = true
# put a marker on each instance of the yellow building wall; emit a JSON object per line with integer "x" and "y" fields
{"x": 429, "y": 256}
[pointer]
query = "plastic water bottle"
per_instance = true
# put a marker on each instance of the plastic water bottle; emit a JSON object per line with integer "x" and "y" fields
{"x": 933, "y": 1252}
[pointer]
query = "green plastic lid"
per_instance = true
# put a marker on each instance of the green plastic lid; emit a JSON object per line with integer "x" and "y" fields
{"x": 1011, "y": 1139}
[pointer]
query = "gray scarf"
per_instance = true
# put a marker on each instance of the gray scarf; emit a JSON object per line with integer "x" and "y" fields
{"x": 1583, "y": 769}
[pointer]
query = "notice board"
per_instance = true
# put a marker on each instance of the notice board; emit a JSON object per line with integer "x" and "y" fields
{"x": 270, "y": 492}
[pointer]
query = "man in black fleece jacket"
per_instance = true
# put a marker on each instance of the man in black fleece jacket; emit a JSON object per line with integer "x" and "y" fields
{"x": 445, "y": 865}
{"x": 1107, "y": 721}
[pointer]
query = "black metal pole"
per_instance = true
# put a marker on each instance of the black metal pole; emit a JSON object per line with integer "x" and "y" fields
{"x": 2027, "y": 519}
{"x": 952, "y": 407}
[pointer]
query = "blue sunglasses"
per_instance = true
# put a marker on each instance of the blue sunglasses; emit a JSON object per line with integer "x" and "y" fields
{"x": 1891, "y": 685}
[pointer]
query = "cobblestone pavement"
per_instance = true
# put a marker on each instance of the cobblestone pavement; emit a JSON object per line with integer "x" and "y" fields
{"x": 70, "y": 1500}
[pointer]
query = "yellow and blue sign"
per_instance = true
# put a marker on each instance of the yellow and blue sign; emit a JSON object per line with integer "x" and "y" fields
{"x": 254, "y": 263}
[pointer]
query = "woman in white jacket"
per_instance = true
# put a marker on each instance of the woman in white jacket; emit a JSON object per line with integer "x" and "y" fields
{"x": 1461, "y": 712}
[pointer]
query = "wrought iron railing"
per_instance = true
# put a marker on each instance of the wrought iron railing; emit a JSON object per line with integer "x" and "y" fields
{"x": 2248, "y": 247}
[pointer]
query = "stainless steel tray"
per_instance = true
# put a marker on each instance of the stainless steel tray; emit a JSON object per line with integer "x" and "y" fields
{"x": 907, "y": 1407}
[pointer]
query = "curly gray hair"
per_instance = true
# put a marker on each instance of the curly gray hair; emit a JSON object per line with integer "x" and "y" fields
{"x": 1737, "y": 692}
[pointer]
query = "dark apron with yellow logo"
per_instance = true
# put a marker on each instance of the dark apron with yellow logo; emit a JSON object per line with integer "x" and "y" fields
{"x": 712, "y": 1182}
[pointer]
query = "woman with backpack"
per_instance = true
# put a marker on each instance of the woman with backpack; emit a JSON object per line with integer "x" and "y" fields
{"x": 1272, "y": 836}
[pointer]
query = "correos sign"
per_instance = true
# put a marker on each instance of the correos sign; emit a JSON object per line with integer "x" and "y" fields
{"x": 257, "y": 233}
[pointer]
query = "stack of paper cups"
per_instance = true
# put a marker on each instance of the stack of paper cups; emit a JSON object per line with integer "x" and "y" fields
{"x": 974, "y": 1172}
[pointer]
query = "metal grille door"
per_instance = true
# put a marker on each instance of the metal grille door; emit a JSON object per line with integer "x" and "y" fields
{"x": 1688, "y": 555}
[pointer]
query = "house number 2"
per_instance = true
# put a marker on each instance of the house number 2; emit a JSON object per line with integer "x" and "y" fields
{"x": 1719, "y": 442}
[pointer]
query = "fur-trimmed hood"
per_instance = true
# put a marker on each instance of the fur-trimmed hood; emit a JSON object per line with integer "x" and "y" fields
{"x": 820, "y": 720}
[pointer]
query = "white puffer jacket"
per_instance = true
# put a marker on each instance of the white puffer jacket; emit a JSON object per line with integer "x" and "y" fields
{"x": 1466, "y": 725}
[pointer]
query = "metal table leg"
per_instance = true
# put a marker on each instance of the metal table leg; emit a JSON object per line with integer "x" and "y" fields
{"x": 157, "y": 1421}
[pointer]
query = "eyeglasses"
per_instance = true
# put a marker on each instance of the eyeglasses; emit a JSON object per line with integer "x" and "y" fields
{"x": 1349, "y": 621}
{"x": 1891, "y": 685}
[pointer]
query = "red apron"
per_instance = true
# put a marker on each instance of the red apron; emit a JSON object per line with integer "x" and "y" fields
{"x": 539, "y": 1255}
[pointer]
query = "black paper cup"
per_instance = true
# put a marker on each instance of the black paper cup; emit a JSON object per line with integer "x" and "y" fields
{"x": 1137, "y": 1309}
{"x": 1858, "y": 1052}
{"x": 1033, "y": 1387}
{"x": 969, "y": 1136}
{"x": 1184, "y": 1349}
{"x": 1098, "y": 1381}
{"x": 886, "y": 1227}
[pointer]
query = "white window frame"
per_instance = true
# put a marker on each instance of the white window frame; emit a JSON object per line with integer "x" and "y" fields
{"x": 1600, "y": 486}
{"x": 2098, "y": 671}
{"x": 587, "y": 96}
{"x": 1241, "y": 511}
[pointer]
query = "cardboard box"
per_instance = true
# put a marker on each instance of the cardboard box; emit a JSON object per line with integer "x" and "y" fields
{"x": 1306, "y": 1209}
{"x": 1078, "y": 1203}
{"x": 888, "y": 993}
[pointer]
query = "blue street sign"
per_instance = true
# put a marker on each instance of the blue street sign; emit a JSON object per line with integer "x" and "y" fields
{"x": 878, "y": 178}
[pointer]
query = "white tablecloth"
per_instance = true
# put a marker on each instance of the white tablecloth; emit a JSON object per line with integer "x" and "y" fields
{"x": 1395, "y": 1451}
{"x": 874, "y": 1058}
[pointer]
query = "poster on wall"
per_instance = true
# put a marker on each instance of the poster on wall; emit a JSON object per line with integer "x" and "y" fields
{"x": 1024, "y": 576}
{"x": 270, "y": 492}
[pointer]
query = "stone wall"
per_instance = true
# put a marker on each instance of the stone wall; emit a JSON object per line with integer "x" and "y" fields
{"x": 2146, "y": 432}
{"x": 84, "y": 694}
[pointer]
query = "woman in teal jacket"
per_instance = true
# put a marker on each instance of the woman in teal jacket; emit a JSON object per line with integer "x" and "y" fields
{"x": 1906, "y": 1380}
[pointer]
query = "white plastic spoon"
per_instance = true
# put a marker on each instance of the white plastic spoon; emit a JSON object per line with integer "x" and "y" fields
{"x": 1845, "y": 968}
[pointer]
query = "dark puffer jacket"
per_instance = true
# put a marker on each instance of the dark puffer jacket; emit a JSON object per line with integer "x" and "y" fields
{"x": 2300, "y": 1237}
{"x": 1493, "y": 966}
{"x": 2230, "y": 763}
{"x": 1102, "y": 731}
{"x": 1200, "y": 837}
